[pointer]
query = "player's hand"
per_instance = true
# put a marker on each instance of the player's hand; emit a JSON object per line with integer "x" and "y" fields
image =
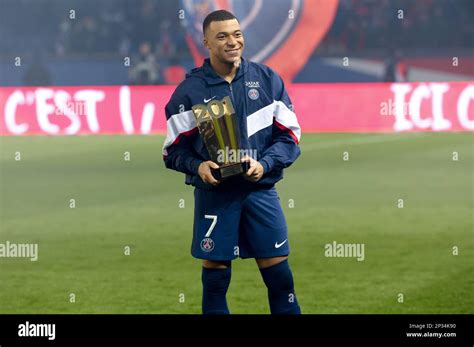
{"x": 255, "y": 171}
{"x": 204, "y": 172}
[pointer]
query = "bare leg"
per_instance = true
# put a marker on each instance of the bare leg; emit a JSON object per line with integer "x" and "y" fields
{"x": 267, "y": 262}
{"x": 211, "y": 264}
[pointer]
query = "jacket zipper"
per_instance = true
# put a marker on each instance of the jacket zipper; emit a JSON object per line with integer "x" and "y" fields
{"x": 231, "y": 93}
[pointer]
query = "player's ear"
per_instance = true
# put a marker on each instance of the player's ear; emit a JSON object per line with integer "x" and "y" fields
{"x": 206, "y": 43}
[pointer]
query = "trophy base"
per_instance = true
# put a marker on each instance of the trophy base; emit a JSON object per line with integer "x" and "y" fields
{"x": 230, "y": 170}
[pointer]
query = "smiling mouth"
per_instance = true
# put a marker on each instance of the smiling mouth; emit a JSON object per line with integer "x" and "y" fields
{"x": 232, "y": 50}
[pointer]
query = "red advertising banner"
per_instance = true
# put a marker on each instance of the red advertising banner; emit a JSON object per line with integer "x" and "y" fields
{"x": 346, "y": 107}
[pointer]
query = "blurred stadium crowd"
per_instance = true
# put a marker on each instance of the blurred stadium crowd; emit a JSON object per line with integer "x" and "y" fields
{"x": 368, "y": 24}
{"x": 149, "y": 30}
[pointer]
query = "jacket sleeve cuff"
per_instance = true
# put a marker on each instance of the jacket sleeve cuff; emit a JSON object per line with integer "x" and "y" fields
{"x": 267, "y": 163}
{"x": 193, "y": 165}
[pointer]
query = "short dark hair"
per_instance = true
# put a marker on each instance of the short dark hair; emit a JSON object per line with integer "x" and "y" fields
{"x": 216, "y": 16}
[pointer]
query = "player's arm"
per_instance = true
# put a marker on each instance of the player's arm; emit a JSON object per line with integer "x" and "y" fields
{"x": 286, "y": 132}
{"x": 178, "y": 152}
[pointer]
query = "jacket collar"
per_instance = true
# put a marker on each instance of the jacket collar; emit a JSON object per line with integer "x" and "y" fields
{"x": 213, "y": 78}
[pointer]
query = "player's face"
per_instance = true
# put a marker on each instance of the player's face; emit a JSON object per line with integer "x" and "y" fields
{"x": 225, "y": 41}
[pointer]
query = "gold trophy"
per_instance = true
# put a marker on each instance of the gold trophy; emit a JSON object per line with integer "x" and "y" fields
{"x": 219, "y": 130}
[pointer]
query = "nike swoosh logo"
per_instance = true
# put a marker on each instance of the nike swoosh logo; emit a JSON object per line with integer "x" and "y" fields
{"x": 207, "y": 100}
{"x": 278, "y": 245}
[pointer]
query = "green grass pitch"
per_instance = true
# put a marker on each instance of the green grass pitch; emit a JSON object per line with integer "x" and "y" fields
{"x": 136, "y": 203}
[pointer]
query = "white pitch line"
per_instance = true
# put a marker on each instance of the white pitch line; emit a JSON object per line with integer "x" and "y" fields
{"x": 363, "y": 140}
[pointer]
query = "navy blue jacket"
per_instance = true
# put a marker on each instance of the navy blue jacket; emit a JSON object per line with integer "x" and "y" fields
{"x": 265, "y": 117}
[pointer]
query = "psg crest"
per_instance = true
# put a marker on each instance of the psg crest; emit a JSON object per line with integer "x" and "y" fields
{"x": 207, "y": 245}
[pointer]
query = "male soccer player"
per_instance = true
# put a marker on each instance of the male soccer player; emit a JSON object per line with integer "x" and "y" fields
{"x": 240, "y": 215}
